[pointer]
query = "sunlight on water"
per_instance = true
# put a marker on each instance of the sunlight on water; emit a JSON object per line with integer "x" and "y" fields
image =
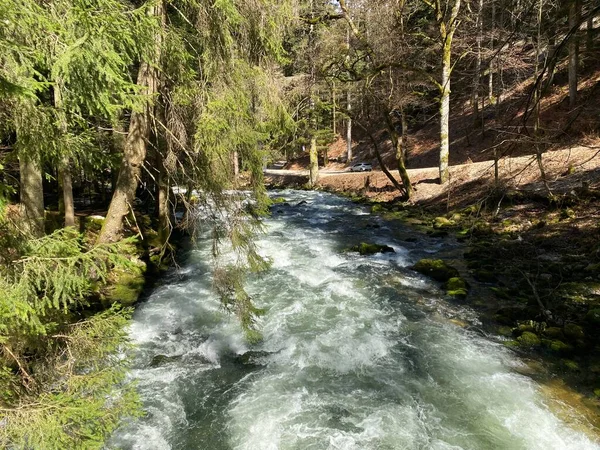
{"x": 358, "y": 353}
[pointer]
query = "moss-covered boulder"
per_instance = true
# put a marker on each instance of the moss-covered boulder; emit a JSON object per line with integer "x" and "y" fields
{"x": 365, "y": 248}
{"x": 457, "y": 287}
{"x": 437, "y": 269}
{"x": 126, "y": 285}
{"x": 92, "y": 224}
{"x": 570, "y": 365}
{"x": 162, "y": 360}
{"x": 442, "y": 222}
{"x": 558, "y": 346}
{"x": 485, "y": 276}
{"x": 593, "y": 316}
{"x": 529, "y": 339}
{"x": 509, "y": 315}
{"x": 574, "y": 332}
{"x": 503, "y": 330}
{"x": 554, "y": 333}
{"x": 377, "y": 208}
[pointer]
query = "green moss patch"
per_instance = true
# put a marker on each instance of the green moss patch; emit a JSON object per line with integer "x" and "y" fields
{"x": 365, "y": 248}
{"x": 126, "y": 285}
{"x": 457, "y": 287}
{"x": 436, "y": 269}
{"x": 529, "y": 339}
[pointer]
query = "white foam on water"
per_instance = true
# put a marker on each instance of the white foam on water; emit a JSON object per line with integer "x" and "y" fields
{"x": 350, "y": 362}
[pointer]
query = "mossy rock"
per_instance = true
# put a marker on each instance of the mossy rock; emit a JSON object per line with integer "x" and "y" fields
{"x": 485, "y": 276}
{"x": 509, "y": 315}
{"x": 597, "y": 392}
{"x": 505, "y": 331}
{"x": 162, "y": 360}
{"x": 558, "y": 346}
{"x": 442, "y": 222}
{"x": 593, "y": 316}
{"x": 437, "y": 269}
{"x": 457, "y": 287}
{"x": 126, "y": 285}
{"x": 501, "y": 293}
{"x": 53, "y": 220}
{"x": 377, "y": 208}
{"x": 394, "y": 215}
{"x": 554, "y": 333}
{"x": 365, "y": 248}
{"x": 570, "y": 365}
{"x": 92, "y": 224}
{"x": 574, "y": 332}
{"x": 523, "y": 328}
{"x": 529, "y": 339}
{"x": 481, "y": 228}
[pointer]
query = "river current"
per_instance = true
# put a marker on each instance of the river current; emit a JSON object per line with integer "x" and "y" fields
{"x": 359, "y": 352}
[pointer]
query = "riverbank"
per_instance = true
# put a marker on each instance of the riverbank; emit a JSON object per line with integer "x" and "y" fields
{"x": 531, "y": 258}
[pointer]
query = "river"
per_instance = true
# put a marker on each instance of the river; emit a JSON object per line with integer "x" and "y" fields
{"x": 359, "y": 352}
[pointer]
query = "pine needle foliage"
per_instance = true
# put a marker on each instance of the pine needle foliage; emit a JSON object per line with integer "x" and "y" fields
{"x": 221, "y": 101}
{"x": 61, "y": 373}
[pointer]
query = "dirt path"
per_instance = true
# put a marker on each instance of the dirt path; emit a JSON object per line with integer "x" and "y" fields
{"x": 565, "y": 170}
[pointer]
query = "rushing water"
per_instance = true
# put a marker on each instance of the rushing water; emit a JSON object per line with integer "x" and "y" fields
{"x": 358, "y": 353}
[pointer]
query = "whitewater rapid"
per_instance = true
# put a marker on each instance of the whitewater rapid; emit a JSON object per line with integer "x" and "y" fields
{"x": 358, "y": 352}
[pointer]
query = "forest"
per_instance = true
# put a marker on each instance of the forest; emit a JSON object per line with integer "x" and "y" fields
{"x": 120, "y": 120}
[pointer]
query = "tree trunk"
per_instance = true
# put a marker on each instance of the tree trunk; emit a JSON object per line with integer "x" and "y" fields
{"x": 334, "y": 110}
{"x": 64, "y": 170}
{"x": 397, "y": 143}
{"x": 445, "y": 115}
{"x": 384, "y": 169}
{"x": 349, "y": 109}
{"x": 32, "y": 196}
{"x": 313, "y": 175}
{"x": 236, "y": 164}
{"x": 537, "y": 100}
{"x": 134, "y": 153}
{"x": 447, "y": 30}
{"x": 162, "y": 202}
{"x": 477, "y": 74}
{"x": 404, "y": 137}
{"x": 491, "y": 71}
{"x": 574, "y": 18}
{"x": 68, "y": 203}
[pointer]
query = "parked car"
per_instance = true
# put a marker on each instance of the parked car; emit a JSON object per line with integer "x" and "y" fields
{"x": 361, "y": 167}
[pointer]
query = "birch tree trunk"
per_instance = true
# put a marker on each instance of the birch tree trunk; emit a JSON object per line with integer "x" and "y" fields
{"x": 349, "y": 109}
{"x": 447, "y": 30}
